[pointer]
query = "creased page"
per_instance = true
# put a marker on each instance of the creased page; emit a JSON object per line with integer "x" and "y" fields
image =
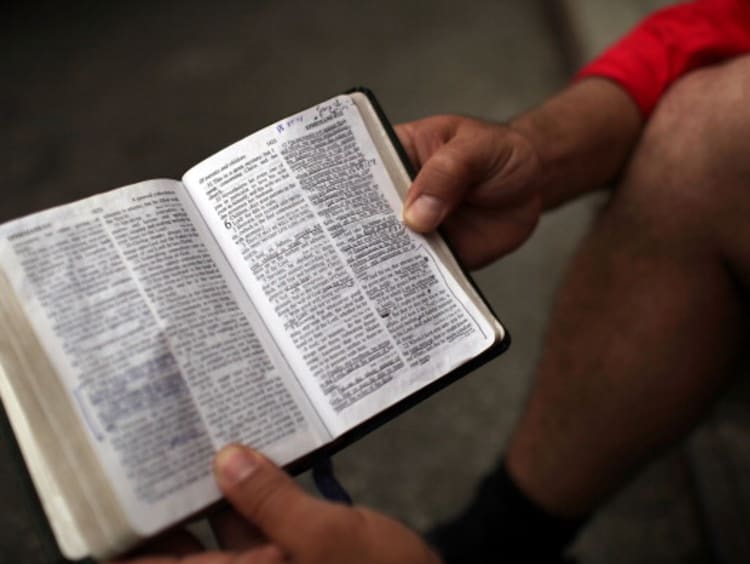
{"x": 309, "y": 218}
{"x": 161, "y": 364}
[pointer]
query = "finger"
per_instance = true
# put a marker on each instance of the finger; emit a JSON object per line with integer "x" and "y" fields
{"x": 223, "y": 558}
{"x": 469, "y": 232}
{"x": 445, "y": 177}
{"x": 266, "y": 496}
{"x": 172, "y": 543}
{"x": 270, "y": 554}
{"x": 211, "y": 557}
{"x": 405, "y": 134}
{"x": 234, "y": 532}
{"x": 421, "y": 138}
{"x": 146, "y": 560}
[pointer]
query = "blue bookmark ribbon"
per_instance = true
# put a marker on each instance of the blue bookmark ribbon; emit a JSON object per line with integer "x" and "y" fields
{"x": 327, "y": 484}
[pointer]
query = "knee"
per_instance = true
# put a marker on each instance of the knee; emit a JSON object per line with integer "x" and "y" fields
{"x": 704, "y": 119}
{"x": 691, "y": 167}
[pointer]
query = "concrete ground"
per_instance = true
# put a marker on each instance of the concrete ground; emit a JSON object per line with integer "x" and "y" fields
{"x": 98, "y": 95}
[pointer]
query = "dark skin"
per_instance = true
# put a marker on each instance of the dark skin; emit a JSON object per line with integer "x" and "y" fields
{"x": 477, "y": 180}
{"x": 485, "y": 185}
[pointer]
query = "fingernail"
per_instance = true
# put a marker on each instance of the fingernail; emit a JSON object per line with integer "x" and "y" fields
{"x": 234, "y": 464}
{"x": 426, "y": 212}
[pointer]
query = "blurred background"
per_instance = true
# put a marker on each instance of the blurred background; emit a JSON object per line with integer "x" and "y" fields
{"x": 96, "y": 95}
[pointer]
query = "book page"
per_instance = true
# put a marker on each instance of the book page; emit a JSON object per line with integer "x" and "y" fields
{"x": 309, "y": 219}
{"x": 162, "y": 365}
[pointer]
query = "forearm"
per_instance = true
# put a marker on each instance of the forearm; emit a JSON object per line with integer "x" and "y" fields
{"x": 583, "y": 137}
{"x": 585, "y": 134}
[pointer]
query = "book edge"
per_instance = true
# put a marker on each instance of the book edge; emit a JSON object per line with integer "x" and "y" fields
{"x": 100, "y": 539}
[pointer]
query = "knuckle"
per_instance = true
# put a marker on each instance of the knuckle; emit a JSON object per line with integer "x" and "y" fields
{"x": 449, "y": 165}
{"x": 265, "y": 555}
{"x": 519, "y": 161}
{"x": 258, "y": 496}
{"x": 523, "y": 162}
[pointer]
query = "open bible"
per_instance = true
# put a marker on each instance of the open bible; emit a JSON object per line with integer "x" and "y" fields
{"x": 272, "y": 297}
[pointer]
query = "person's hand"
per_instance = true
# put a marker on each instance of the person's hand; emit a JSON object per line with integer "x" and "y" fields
{"x": 477, "y": 180}
{"x": 277, "y": 522}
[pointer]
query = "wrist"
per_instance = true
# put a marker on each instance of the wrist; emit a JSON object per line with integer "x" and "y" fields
{"x": 583, "y": 137}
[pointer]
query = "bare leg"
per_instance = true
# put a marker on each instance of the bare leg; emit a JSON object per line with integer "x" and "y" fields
{"x": 648, "y": 322}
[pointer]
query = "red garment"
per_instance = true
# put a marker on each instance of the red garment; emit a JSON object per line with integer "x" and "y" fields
{"x": 670, "y": 43}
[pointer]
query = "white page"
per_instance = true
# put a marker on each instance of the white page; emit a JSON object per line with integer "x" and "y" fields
{"x": 309, "y": 219}
{"x": 161, "y": 364}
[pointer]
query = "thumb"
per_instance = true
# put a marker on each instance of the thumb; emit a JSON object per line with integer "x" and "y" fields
{"x": 264, "y": 494}
{"x": 443, "y": 182}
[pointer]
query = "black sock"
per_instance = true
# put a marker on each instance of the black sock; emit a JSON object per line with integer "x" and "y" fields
{"x": 503, "y": 525}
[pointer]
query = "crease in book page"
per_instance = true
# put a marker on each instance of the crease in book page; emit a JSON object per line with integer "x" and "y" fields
{"x": 309, "y": 219}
